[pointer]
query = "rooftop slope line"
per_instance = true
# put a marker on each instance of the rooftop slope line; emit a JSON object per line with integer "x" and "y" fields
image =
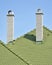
{"x": 47, "y": 29}
{"x": 15, "y": 54}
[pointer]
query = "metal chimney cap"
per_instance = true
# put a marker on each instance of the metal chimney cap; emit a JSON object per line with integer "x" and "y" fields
{"x": 39, "y": 11}
{"x": 10, "y": 12}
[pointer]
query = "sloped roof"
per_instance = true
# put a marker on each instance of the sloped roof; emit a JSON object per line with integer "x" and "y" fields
{"x": 7, "y": 57}
{"x": 28, "y": 50}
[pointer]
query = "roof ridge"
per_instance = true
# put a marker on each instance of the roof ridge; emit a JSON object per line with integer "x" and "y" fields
{"x": 47, "y": 29}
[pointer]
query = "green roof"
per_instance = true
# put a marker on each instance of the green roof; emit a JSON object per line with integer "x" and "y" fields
{"x": 26, "y": 51}
{"x": 7, "y": 57}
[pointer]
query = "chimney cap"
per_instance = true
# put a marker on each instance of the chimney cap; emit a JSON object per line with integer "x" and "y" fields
{"x": 10, "y": 12}
{"x": 39, "y": 11}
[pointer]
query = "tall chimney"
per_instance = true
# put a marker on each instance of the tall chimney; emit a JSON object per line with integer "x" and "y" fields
{"x": 39, "y": 25}
{"x": 10, "y": 26}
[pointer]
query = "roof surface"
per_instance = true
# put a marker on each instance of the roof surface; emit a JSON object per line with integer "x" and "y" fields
{"x": 26, "y": 51}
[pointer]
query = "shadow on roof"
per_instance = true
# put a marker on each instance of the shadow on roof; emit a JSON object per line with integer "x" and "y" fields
{"x": 30, "y": 37}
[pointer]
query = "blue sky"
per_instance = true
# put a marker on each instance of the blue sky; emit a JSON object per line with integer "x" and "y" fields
{"x": 25, "y": 18}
